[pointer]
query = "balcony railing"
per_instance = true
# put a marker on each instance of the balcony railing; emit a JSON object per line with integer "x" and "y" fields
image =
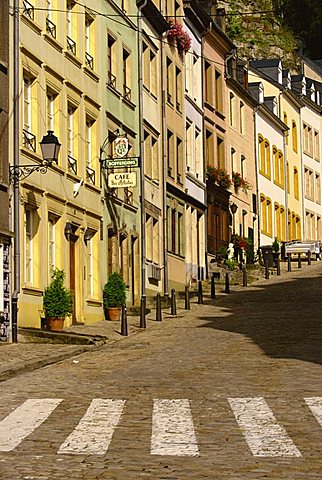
{"x": 50, "y": 28}
{"x": 89, "y": 61}
{"x": 71, "y": 45}
{"x": 128, "y": 196}
{"x": 90, "y": 175}
{"x": 72, "y": 165}
{"x": 126, "y": 93}
{"x": 29, "y": 140}
{"x": 28, "y": 10}
{"x": 111, "y": 80}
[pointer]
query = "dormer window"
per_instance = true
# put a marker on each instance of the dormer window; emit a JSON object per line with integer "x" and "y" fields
{"x": 261, "y": 94}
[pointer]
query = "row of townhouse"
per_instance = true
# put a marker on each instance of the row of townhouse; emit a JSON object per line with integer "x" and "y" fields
{"x": 218, "y": 147}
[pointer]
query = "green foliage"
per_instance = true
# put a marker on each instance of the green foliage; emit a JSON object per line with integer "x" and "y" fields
{"x": 114, "y": 293}
{"x": 231, "y": 263}
{"x": 57, "y": 301}
{"x": 276, "y": 245}
{"x": 222, "y": 251}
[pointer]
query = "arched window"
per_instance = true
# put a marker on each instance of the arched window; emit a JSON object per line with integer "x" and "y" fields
{"x": 267, "y": 159}
{"x": 296, "y": 183}
{"x": 277, "y": 221}
{"x": 269, "y": 217}
{"x": 283, "y": 223}
{"x": 261, "y": 152}
{"x": 263, "y": 214}
{"x": 294, "y": 136}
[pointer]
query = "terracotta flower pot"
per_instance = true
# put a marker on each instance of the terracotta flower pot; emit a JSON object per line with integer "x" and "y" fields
{"x": 113, "y": 313}
{"x": 55, "y": 324}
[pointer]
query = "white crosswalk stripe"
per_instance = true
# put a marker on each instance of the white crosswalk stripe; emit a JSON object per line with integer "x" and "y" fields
{"x": 264, "y": 436}
{"x": 315, "y": 405}
{"x": 24, "y": 420}
{"x": 94, "y": 432}
{"x": 172, "y": 429}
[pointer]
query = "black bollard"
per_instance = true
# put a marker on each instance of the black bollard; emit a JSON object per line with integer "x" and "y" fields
{"x": 227, "y": 289}
{"x": 158, "y": 313}
{"x": 299, "y": 261}
{"x": 143, "y": 312}
{"x": 244, "y": 277}
{"x": 266, "y": 271}
{"x": 309, "y": 257}
{"x": 124, "y": 322}
{"x": 213, "y": 287}
{"x": 186, "y": 298}
{"x": 200, "y": 297}
{"x": 289, "y": 263}
{"x": 173, "y": 302}
{"x": 278, "y": 266}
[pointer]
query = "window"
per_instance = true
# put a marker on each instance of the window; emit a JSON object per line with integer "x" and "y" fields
{"x": 198, "y": 153}
{"x": 266, "y": 216}
{"x": 149, "y": 70}
{"x": 294, "y": 136}
{"x": 264, "y": 155}
{"x": 243, "y": 166}
{"x": 318, "y": 188}
{"x": 179, "y": 158}
{"x": 241, "y": 118}
{"x": 221, "y": 163}
{"x": 178, "y": 89}
{"x": 318, "y": 228}
{"x": 285, "y": 120}
{"x": 309, "y": 186}
{"x": 231, "y": 108}
{"x": 296, "y": 184}
{"x": 308, "y": 139}
{"x": 111, "y": 61}
{"x": 29, "y": 246}
{"x": 151, "y": 156}
{"x": 210, "y": 148}
{"x": 152, "y": 239}
{"x": 50, "y": 111}
{"x": 28, "y": 113}
{"x": 170, "y": 92}
{"x": 89, "y": 42}
{"x": 278, "y": 167}
{"x": 50, "y": 19}
{"x": 70, "y": 131}
{"x": 232, "y": 160}
{"x": 72, "y": 28}
{"x": 176, "y": 230}
{"x": 316, "y": 145}
{"x": 170, "y": 153}
{"x": 88, "y": 143}
{"x": 51, "y": 244}
{"x": 126, "y": 75}
{"x": 219, "y": 91}
{"x": 208, "y": 83}
{"x": 90, "y": 268}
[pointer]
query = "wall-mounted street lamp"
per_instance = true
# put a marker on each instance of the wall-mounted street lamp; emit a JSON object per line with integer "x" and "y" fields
{"x": 233, "y": 209}
{"x": 50, "y": 147}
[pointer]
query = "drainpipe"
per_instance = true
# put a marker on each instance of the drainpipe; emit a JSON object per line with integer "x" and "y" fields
{"x": 257, "y": 175}
{"x": 164, "y": 172}
{"x": 286, "y": 183}
{"x": 16, "y": 212}
{"x": 142, "y": 179}
{"x": 304, "y": 233}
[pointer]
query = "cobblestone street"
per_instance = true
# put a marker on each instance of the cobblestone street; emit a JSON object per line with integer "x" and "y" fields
{"x": 230, "y": 390}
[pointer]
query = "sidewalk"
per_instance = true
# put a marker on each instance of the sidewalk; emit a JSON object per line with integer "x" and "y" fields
{"x": 23, "y": 357}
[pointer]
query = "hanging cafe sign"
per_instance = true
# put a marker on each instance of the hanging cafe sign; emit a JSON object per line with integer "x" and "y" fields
{"x": 120, "y": 158}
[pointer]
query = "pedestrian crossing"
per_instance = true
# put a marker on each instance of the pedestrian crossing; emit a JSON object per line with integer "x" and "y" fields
{"x": 172, "y": 426}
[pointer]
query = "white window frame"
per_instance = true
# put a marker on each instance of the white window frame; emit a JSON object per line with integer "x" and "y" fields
{"x": 28, "y": 240}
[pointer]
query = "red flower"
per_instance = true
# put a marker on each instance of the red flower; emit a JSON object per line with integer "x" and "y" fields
{"x": 183, "y": 39}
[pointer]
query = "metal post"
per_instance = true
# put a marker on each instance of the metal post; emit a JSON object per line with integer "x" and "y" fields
{"x": 309, "y": 257}
{"x": 213, "y": 287}
{"x": 244, "y": 277}
{"x": 142, "y": 312}
{"x": 158, "y": 314}
{"x": 299, "y": 261}
{"x": 278, "y": 266}
{"x": 266, "y": 270}
{"x": 124, "y": 322}
{"x": 186, "y": 298}
{"x": 289, "y": 263}
{"x": 227, "y": 289}
{"x": 173, "y": 302}
{"x": 200, "y": 296}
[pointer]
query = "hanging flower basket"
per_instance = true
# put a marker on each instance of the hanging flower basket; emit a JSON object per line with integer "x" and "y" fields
{"x": 182, "y": 38}
{"x": 219, "y": 177}
{"x": 239, "y": 182}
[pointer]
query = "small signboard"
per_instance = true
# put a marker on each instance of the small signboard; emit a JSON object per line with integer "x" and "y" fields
{"x": 121, "y": 146}
{"x": 121, "y": 162}
{"x": 122, "y": 180}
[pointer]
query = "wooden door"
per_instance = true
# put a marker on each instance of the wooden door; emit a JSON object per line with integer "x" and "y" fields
{"x": 72, "y": 275}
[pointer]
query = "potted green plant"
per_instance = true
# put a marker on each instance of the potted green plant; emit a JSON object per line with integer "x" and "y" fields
{"x": 276, "y": 251}
{"x": 114, "y": 296}
{"x": 57, "y": 301}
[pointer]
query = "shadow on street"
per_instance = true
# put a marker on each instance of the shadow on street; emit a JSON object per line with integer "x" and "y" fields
{"x": 283, "y": 319}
